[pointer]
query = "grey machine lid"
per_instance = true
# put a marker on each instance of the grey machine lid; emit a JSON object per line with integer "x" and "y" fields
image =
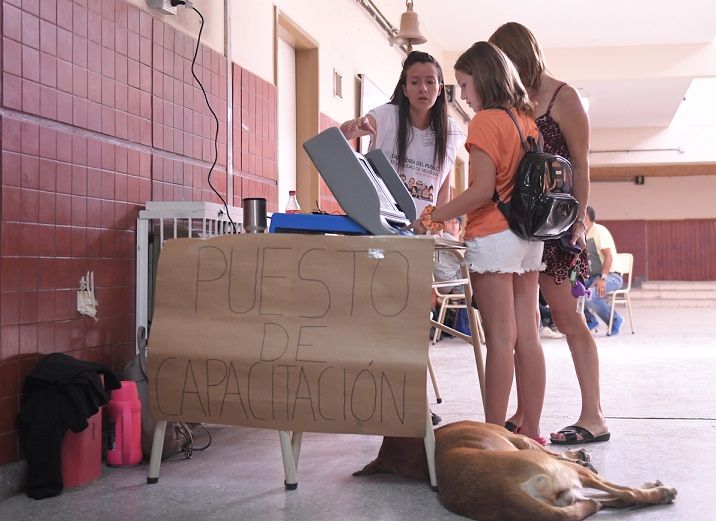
{"x": 367, "y": 187}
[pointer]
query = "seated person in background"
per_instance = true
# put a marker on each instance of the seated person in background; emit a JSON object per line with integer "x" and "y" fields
{"x": 604, "y": 275}
{"x": 446, "y": 266}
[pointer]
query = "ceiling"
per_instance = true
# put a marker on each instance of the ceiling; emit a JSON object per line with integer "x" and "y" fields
{"x": 640, "y": 96}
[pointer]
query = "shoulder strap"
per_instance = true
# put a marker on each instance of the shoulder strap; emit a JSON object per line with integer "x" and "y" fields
{"x": 554, "y": 97}
{"x": 519, "y": 130}
{"x": 530, "y": 145}
{"x": 505, "y": 207}
{"x": 533, "y": 146}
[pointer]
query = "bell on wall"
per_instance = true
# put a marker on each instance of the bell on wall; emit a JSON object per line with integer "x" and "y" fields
{"x": 409, "y": 33}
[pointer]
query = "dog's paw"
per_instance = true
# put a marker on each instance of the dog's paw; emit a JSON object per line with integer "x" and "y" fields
{"x": 587, "y": 465}
{"x": 579, "y": 455}
{"x": 669, "y": 494}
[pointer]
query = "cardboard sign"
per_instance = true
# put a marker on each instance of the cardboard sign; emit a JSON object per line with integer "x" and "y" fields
{"x": 304, "y": 333}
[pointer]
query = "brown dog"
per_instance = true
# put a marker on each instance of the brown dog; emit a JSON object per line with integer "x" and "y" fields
{"x": 488, "y": 473}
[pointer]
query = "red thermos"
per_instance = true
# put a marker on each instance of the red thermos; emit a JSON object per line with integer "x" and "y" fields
{"x": 125, "y": 426}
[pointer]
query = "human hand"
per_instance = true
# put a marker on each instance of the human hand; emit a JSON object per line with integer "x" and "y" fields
{"x": 579, "y": 234}
{"x": 426, "y": 220}
{"x": 418, "y": 227}
{"x": 358, "y": 127}
{"x": 601, "y": 287}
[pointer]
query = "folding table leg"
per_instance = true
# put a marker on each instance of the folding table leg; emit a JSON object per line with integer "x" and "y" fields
{"x": 290, "y": 450}
{"x": 475, "y": 335}
{"x": 157, "y": 448}
{"x": 296, "y": 439}
{"x": 429, "y": 441}
{"x": 438, "y": 398}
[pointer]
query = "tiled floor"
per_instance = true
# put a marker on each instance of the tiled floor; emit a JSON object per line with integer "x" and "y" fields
{"x": 658, "y": 394}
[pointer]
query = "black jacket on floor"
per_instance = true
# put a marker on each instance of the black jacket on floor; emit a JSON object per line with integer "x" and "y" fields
{"x": 61, "y": 392}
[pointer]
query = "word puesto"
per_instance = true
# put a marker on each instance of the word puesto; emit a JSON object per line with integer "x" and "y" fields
{"x": 273, "y": 281}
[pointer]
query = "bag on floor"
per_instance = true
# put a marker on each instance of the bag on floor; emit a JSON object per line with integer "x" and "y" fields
{"x": 541, "y": 206}
{"x": 462, "y": 323}
{"x": 178, "y": 435}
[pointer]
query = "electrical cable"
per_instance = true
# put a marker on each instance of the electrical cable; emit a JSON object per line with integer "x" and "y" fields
{"x": 216, "y": 119}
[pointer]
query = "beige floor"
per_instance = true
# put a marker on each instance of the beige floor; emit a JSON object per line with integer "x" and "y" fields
{"x": 658, "y": 394}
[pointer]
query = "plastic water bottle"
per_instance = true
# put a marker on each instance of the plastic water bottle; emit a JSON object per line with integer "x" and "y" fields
{"x": 292, "y": 206}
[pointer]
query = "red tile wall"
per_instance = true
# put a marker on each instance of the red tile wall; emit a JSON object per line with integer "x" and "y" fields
{"x": 181, "y": 122}
{"x": 100, "y": 113}
{"x": 255, "y": 142}
{"x": 664, "y": 250}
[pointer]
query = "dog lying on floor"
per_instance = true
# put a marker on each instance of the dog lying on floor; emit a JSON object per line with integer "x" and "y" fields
{"x": 488, "y": 473}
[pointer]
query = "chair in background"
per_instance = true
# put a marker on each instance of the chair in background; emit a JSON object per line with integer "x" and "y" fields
{"x": 459, "y": 300}
{"x": 625, "y": 261}
{"x": 448, "y": 300}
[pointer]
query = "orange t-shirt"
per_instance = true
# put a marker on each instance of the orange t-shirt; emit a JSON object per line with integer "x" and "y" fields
{"x": 494, "y": 132}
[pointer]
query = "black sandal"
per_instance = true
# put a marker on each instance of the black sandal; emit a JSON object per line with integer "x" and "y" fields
{"x": 570, "y": 436}
{"x": 512, "y": 427}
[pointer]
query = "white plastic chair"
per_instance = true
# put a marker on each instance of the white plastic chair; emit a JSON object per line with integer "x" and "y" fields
{"x": 625, "y": 261}
{"x": 448, "y": 300}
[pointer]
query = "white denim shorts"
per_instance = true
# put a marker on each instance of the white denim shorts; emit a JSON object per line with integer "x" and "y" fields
{"x": 503, "y": 252}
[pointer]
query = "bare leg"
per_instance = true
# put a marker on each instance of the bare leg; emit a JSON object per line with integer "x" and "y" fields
{"x": 584, "y": 352}
{"x": 517, "y": 417}
{"x": 498, "y": 317}
{"x": 528, "y": 351}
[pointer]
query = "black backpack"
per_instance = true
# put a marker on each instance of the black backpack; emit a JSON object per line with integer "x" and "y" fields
{"x": 541, "y": 206}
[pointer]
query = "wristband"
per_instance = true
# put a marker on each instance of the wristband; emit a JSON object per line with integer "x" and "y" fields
{"x": 426, "y": 219}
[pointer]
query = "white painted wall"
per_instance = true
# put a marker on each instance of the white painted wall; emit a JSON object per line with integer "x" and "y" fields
{"x": 693, "y": 131}
{"x": 286, "y": 122}
{"x": 659, "y": 198}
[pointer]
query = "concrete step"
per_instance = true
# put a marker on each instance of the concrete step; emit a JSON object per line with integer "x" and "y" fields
{"x": 680, "y": 285}
{"x": 675, "y": 293}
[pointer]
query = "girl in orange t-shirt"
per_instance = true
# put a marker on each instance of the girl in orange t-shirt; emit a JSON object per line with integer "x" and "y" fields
{"x": 503, "y": 267}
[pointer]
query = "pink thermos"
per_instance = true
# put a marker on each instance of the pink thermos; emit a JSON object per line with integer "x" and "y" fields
{"x": 125, "y": 426}
{"x": 81, "y": 453}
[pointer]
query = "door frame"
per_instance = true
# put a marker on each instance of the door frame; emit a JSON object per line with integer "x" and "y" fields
{"x": 308, "y": 109}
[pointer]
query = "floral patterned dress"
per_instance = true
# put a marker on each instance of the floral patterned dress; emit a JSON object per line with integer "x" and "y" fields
{"x": 558, "y": 262}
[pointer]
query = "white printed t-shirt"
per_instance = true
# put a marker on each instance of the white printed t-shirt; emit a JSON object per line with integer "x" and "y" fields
{"x": 421, "y": 176}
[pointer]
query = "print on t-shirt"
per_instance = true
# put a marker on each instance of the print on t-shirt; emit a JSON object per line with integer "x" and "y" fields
{"x": 418, "y": 189}
{"x": 420, "y": 175}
